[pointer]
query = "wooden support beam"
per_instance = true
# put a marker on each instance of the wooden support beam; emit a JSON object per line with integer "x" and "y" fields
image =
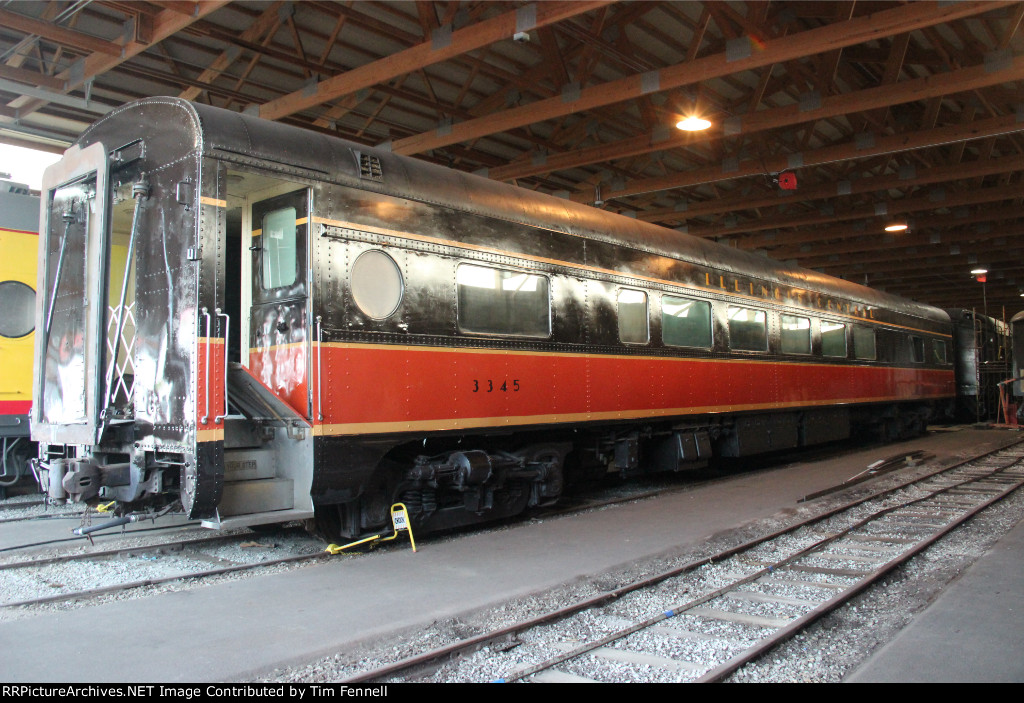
{"x": 892, "y": 208}
{"x": 729, "y": 204}
{"x": 835, "y": 36}
{"x": 164, "y": 24}
{"x": 773, "y": 118}
{"x": 873, "y": 248}
{"x": 846, "y": 151}
{"x": 58, "y": 34}
{"x": 816, "y": 234}
{"x": 891, "y": 273}
{"x": 428, "y": 53}
{"x": 908, "y": 91}
{"x": 182, "y": 7}
{"x": 268, "y": 21}
{"x": 27, "y": 77}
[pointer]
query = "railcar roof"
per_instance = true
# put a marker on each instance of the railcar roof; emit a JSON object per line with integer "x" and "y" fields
{"x": 219, "y": 131}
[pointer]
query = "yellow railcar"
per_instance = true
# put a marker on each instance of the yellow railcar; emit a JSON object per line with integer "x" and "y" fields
{"x": 19, "y": 253}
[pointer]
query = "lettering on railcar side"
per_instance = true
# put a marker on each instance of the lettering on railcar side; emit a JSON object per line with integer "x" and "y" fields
{"x": 491, "y": 386}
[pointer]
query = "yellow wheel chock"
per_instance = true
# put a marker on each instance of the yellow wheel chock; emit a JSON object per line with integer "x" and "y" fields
{"x": 399, "y": 521}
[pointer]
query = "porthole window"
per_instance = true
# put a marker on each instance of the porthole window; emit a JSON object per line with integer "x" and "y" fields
{"x": 17, "y": 309}
{"x": 377, "y": 284}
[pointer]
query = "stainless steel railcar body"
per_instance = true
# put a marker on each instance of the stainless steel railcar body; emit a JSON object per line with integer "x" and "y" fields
{"x": 261, "y": 318}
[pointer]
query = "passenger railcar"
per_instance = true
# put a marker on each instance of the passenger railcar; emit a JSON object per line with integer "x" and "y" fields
{"x": 1017, "y": 360}
{"x": 983, "y": 360}
{"x": 19, "y": 246}
{"x": 266, "y": 322}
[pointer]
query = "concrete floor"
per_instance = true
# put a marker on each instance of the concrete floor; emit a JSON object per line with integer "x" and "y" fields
{"x": 236, "y": 630}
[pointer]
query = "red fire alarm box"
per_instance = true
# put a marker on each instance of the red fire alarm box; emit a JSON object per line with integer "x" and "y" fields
{"x": 787, "y": 180}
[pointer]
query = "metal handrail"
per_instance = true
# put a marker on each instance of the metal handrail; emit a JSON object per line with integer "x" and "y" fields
{"x": 319, "y": 382}
{"x": 227, "y": 339}
{"x": 206, "y": 314}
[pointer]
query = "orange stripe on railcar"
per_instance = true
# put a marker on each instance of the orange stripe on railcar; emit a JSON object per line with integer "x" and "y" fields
{"x": 376, "y": 389}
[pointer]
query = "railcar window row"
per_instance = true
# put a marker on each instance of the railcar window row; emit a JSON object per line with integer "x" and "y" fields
{"x": 515, "y": 303}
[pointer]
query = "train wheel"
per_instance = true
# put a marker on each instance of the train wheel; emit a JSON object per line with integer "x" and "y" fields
{"x": 554, "y": 456}
{"x": 379, "y": 494}
{"x": 333, "y": 523}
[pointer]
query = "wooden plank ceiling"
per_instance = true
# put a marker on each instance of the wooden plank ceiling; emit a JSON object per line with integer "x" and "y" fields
{"x": 882, "y": 110}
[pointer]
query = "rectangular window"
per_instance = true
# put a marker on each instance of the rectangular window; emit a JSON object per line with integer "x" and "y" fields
{"x": 495, "y": 301}
{"x": 939, "y": 351}
{"x": 633, "y": 326}
{"x": 917, "y": 347}
{"x": 864, "y": 343}
{"x": 796, "y": 335}
{"x": 748, "y": 330}
{"x": 833, "y": 339}
{"x": 685, "y": 323}
{"x": 279, "y": 248}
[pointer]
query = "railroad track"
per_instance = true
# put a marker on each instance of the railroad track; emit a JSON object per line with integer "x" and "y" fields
{"x": 177, "y": 559}
{"x": 16, "y": 510}
{"x": 45, "y": 570}
{"x": 130, "y": 567}
{"x": 705, "y": 620}
{"x": 174, "y": 560}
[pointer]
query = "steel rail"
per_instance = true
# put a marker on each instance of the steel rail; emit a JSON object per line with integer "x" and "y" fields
{"x": 175, "y": 545}
{"x": 447, "y": 652}
{"x": 723, "y": 670}
{"x": 79, "y": 538}
{"x": 94, "y": 592}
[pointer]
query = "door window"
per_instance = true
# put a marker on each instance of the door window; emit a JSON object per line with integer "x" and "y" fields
{"x": 279, "y": 248}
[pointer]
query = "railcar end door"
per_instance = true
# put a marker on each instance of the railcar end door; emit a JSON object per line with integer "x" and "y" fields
{"x": 279, "y": 336}
{"x": 70, "y": 311}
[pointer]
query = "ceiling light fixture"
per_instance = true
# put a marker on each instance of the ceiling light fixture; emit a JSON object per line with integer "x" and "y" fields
{"x": 693, "y": 124}
{"x": 979, "y": 272}
{"x": 896, "y": 227}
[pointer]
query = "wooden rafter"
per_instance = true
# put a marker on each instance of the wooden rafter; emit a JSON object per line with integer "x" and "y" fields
{"x": 418, "y": 57}
{"x": 906, "y": 106}
{"x": 855, "y": 31}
